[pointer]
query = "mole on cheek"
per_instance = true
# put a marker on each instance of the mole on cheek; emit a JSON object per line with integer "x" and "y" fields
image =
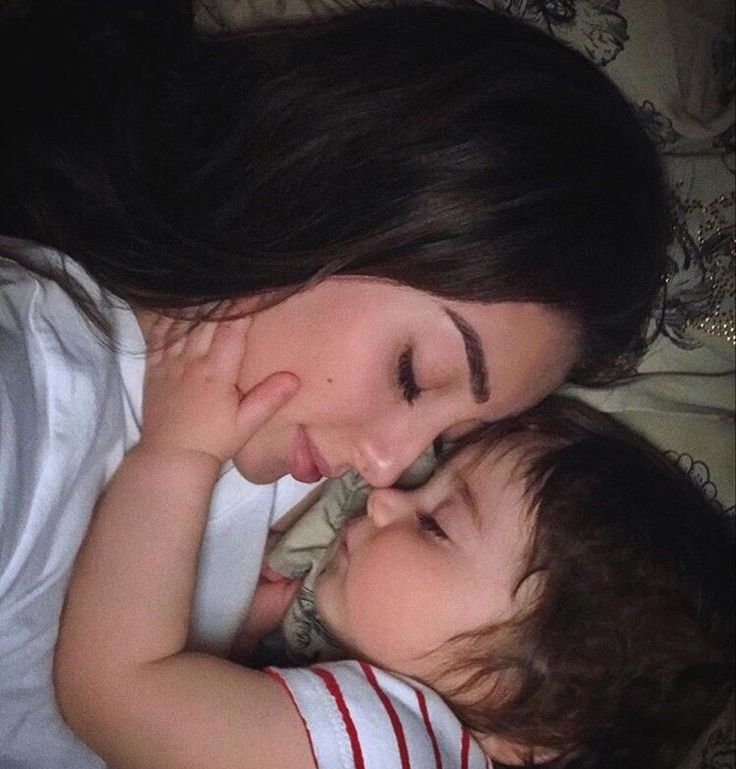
{"x": 329, "y": 380}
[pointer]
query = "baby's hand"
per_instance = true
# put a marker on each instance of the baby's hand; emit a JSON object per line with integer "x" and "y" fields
{"x": 272, "y": 597}
{"x": 191, "y": 400}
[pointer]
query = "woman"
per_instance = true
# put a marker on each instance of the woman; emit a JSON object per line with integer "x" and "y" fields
{"x": 438, "y": 215}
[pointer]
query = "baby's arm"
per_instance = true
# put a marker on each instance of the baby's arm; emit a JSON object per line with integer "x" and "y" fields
{"x": 124, "y": 682}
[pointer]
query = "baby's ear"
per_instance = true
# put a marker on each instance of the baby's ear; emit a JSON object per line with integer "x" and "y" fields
{"x": 511, "y": 753}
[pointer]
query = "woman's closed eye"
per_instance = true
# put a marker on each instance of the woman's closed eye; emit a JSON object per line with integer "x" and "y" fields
{"x": 406, "y": 377}
{"x": 429, "y": 524}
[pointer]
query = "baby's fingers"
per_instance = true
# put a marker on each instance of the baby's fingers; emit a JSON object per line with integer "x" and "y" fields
{"x": 165, "y": 338}
{"x": 156, "y": 338}
{"x": 199, "y": 339}
{"x": 263, "y": 401}
{"x": 227, "y": 348}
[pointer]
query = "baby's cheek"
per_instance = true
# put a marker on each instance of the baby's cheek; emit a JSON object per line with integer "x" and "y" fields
{"x": 384, "y": 612}
{"x": 331, "y": 600}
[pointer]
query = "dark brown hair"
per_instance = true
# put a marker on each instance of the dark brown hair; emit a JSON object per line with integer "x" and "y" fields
{"x": 447, "y": 148}
{"x": 627, "y": 652}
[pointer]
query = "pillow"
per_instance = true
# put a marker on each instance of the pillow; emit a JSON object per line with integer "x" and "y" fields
{"x": 673, "y": 58}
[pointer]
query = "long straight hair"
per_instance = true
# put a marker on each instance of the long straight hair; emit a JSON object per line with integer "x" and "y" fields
{"x": 439, "y": 146}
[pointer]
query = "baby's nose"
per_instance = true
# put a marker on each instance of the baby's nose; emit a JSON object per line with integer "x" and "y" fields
{"x": 385, "y": 506}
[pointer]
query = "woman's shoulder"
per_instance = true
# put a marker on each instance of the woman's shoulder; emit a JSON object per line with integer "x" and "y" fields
{"x": 64, "y": 416}
{"x": 49, "y": 304}
{"x": 38, "y": 282}
{"x": 58, "y": 374}
{"x": 62, "y": 432}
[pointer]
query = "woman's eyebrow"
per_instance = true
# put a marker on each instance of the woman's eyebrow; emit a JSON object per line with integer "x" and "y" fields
{"x": 475, "y": 355}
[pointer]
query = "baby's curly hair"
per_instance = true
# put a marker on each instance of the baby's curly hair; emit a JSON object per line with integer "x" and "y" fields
{"x": 626, "y": 653}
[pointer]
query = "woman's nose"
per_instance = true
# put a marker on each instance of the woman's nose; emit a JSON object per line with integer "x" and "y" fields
{"x": 385, "y": 506}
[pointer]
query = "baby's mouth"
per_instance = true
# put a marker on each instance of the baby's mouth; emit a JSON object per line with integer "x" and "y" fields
{"x": 339, "y": 550}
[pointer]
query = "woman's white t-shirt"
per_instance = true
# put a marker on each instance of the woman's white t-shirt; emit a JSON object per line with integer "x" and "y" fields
{"x": 69, "y": 409}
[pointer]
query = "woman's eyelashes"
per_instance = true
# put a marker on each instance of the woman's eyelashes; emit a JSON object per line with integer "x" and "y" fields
{"x": 406, "y": 377}
{"x": 429, "y": 524}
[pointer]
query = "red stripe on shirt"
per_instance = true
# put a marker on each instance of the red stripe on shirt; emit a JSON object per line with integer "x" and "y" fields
{"x": 279, "y": 678}
{"x": 334, "y": 689}
{"x": 422, "y": 700}
{"x": 392, "y": 715}
{"x": 464, "y": 750}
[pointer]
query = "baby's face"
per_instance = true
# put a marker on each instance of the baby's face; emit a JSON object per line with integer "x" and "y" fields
{"x": 426, "y": 565}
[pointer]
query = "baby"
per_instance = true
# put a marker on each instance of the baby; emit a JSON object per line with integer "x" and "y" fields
{"x": 556, "y": 592}
{"x": 580, "y": 552}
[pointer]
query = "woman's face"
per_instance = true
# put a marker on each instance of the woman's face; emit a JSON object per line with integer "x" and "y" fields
{"x": 385, "y": 369}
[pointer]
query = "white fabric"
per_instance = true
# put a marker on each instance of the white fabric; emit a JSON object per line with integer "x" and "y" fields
{"x": 364, "y": 732}
{"x": 69, "y": 408}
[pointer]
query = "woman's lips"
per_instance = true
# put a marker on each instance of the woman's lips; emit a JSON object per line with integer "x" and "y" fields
{"x": 306, "y": 464}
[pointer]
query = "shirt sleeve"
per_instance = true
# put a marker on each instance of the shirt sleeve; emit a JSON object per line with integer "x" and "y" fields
{"x": 358, "y": 716}
{"x": 61, "y": 434}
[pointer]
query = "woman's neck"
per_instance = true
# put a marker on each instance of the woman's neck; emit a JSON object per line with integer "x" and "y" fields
{"x": 146, "y": 319}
